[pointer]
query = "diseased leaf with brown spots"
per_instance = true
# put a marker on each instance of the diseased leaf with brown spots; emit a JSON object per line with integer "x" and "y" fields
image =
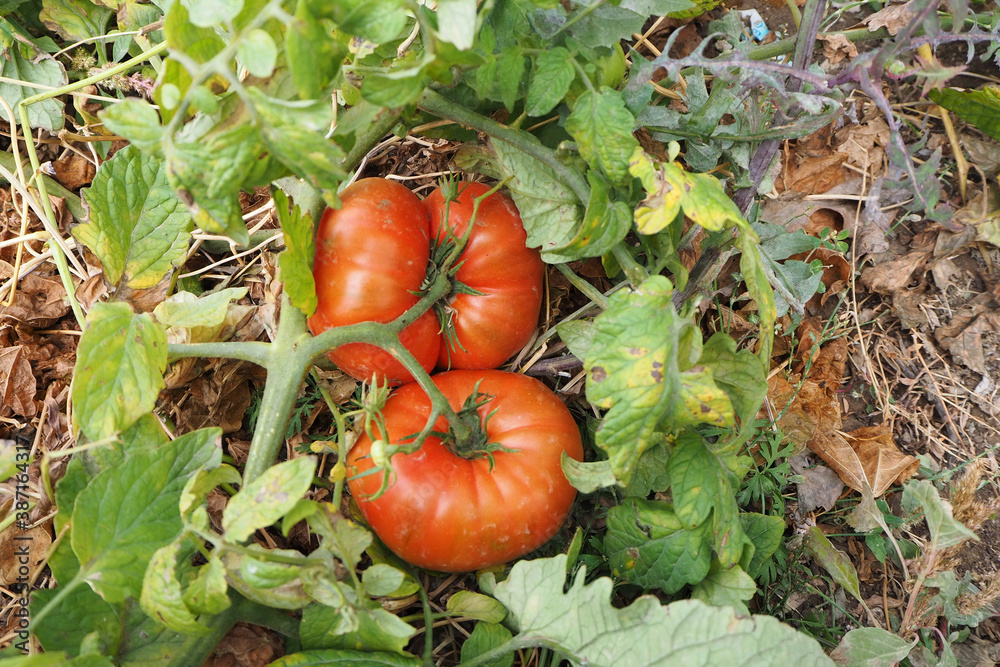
{"x": 633, "y": 372}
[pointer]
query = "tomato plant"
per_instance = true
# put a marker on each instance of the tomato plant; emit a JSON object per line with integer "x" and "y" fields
{"x": 371, "y": 257}
{"x": 446, "y": 512}
{"x": 493, "y": 308}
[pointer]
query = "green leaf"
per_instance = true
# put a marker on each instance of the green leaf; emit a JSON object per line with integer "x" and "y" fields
{"x": 578, "y": 336}
{"x": 199, "y": 43}
{"x": 701, "y": 487}
{"x": 344, "y": 658}
{"x": 80, "y": 613}
{"x": 587, "y": 477}
{"x": 258, "y": 53}
{"x": 603, "y": 127}
{"x": 206, "y": 594}
{"x": 457, "y": 22}
{"x": 48, "y": 72}
{"x": 67, "y": 489}
{"x": 837, "y": 564}
{"x": 946, "y": 531}
{"x": 313, "y": 58}
{"x": 201, "y": 484}
{"x": 119, "y": 369}
{"x": 187, "y": 310}
{"x": 486, "y": 637}
{"x": 862, "y": 647}
{"x": 476, "y": 605}
{"x": 74, "y": 20}
{"x": 210, "y": 13}
{"x": 605, "y": 223}
{"x": 144, "y": 435}
{"x": 127, "y": 513}
{"x": 550, "y": 211}
{"x": 149, "y": 643}
{"x": 510, "y": 75}
{"x": 724, "y": 587}
{"x": 138, "y": 227}
{"x": 272, "y": 584}
{"x": 648, "y": 545}
{"x": 267, "y": 498}
{"x": 209, "y": 174}
{"x": 751, "y": 266}
{"x": 346, "y": 539}
{"x": 378, "y": 21}
{"x": 377, "y": 630}
{"x": 978, "y": 107}
{"x": 582, "y": 624}
{"x": 294, "y": 133}
{"x": 137, "y": 121}
{"x": 554, "y": 73}
{"x": 632, "y": 370}
{"x": 598, "y": 23}
{"x": 740, "y": 374}
{"x": 296, "y": 261}
{"x": 162, "y": 598}
{"x": 765, "y": 532}
{"x": 396, "y": 89}
{"x": 950, "y": 588}
{"x": 651, "y": 472}
{"x": 381, "y": 579}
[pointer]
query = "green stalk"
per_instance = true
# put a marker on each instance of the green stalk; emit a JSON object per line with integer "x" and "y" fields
{"x": 286, "y": 366}
{"x": 583, "y": 286}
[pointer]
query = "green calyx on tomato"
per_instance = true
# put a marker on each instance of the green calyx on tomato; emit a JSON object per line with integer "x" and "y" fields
{"x": 475, "y": 418}
{"x": 448, "y": 513}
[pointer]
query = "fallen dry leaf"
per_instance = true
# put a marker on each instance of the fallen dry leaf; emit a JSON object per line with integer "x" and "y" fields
{"x": 813, "y": 175}
{"x": 889, "y": 277}
{"x": 966, "y": 346}
{"x": 838, "y": 47}
{"x": 822, "y": 487}
{"x": 864, "y": 144}
{"x": 893, "y": 18}
{"x": 247, "y": 646}
{"x": 74, "y": 171}
{"x": 36, "y": 541}
{"x": 865, "y": 456}
{"x": 39, "y": 302}
{"x": 17, "y": 382}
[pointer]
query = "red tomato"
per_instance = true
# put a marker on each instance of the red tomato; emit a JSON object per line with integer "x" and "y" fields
{"x": 371, "y": 257}
{"x": 447, "y": 513}
{"x": 496, "y": 262}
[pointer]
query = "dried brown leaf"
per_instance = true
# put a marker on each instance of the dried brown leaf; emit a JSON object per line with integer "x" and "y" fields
{"x": 36, "y": 540}
{"x": 864, "y": 144}
{"x": 17, "y": 382}
{"x": 814, "y": 175}
{"x": 865, "y": 456}
{"x": 838, "y": 47}
{"x": 74, "y": 171}
{"x": 893, "y": 18}
{"x": 889, "y": 277}
{"x": 39, "y": 302}
{"x": 822, "y": 486}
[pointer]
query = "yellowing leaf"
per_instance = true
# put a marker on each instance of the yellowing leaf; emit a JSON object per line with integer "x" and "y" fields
{"x": 669, "y": 189}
